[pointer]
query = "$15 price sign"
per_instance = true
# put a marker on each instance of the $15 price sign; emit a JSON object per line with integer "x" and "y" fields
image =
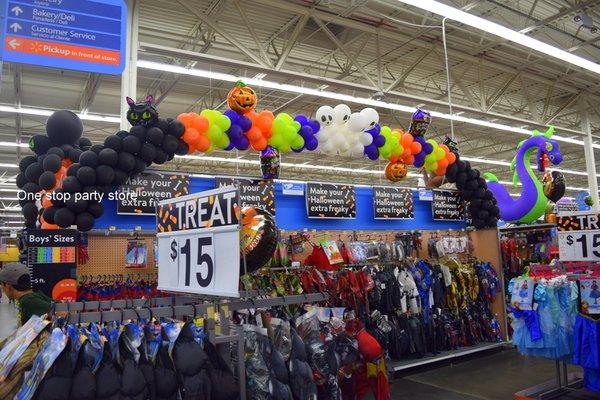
{"x": 198, "y": 243}
{"x": 579, "y": 237}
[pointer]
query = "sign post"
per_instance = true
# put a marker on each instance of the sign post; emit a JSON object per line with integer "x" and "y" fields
{"x": 84, "y": 35}
{"x": 199, "y": 244}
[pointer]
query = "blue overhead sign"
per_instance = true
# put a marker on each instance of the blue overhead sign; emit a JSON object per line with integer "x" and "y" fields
{"x": 82, "y": 35}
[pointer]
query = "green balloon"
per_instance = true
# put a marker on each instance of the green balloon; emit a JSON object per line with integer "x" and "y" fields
{"x": 298, "y": 142}
{"x": 224, "y": 122}
{"x": 214, "y": 133}
{"x": 290, "y": 133}
{"x": 439, "y": 153}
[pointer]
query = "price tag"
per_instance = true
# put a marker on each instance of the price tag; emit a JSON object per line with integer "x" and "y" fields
{"x": 579, "y": 237}
{"x": 198, "y": 243}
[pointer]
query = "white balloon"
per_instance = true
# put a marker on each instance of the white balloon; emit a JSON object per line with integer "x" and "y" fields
{"x": 324, "y": 115}
{"x": 365, "y": 138}
{"x": 357, "y": 122}
{"x": 341, "y": 114}
{"x": 371, "y": 115}
{"x": 357, "y": 149}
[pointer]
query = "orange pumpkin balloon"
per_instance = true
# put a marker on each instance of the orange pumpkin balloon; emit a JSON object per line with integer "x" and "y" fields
{"x": 241, "y": 98}
{"x": 395, "y": 171}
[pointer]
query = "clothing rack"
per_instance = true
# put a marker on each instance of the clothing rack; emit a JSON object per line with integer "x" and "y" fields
{"x": 536, "y": 227}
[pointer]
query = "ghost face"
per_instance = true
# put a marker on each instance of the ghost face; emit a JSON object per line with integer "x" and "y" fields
{"x": 371, "y": 116}
{"x": 324, "y": 115}
{"x": 341, "y": 114}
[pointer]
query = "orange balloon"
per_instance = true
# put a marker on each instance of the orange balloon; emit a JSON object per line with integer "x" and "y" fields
{"x": 446, "y": 149}
{"x": 46, "y": 203}
{"x": 409, "y": 160}
{"x": 451, "y": 157}
{"x": 203, "y": 143}
{"x": 394, "y": 159}
{"x": 185, "y": 119}
{"x": 252, "y": 115}
{"x": 440, "y": 171}
{"x": 191, "y": 136}
{"x": 260, "y": 144}
{"x": 416, "y": 147}
{"x": 200, "y": 123}
{"x": 406, "y": 140}
{"x": 264, "y": 124}
{"x": 443, "y": 163}
{"x": 268, "y": 114}
{"x": 46, "y": 225}
{"x": 254, "y": 134}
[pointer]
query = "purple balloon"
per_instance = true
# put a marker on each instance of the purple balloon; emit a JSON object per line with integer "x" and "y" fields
{"x": 314, "y": 124}
{"x": 427, "y": 148}
{"x": 379, "y": 140}
{"x": 298, "y": 150}
{"x": 373, "y": 155}
{"x": 301, "y": 118}
{"x": 231, "y": 146}
{"x": 311, "y": 143}
{"x": 243, "y": 143}
{"x": 419, "y": 162}
{"x": 245, "y": 123}
{"x": 232, "y": 115}
{"x": 375, "y": 130}
{"x": 306, "y": 131}
{"x": 235, "y": 133}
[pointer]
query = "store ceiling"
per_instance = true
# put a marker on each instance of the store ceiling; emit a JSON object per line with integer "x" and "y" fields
{"x": 361, "y": 47}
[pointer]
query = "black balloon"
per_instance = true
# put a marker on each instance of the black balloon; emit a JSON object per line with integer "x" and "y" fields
{"x": 48, "y": 214}
{"x": 47, "y": 180}
{"x": 84, "y": 221}
{"x": 139, "y": 132}
{"x": 40, "y": 144}
{"x": 126, "y": 162}
{"x": 147, "y": 152}
{"x": 114, "y": 142}
{"x": 120, "y": 177}
{"x": 64, "y": 127}
{"x": 96, "y": 209}
{"x": 64, "y": 217}
{"x": 30, "y": 222}
{"x": 258, "y": 238}
{"x": 108, "y": 157}
{"x": 131, "y": 144}
{"x": 182, "y": 148}
{"x": 163, "y": 125}
{"x": 155, "y": 136}
{"x": 29, "y": 210}
{"x": 58, "y": 197}
{"x": 176, "y": 128}
{"x": 86, "y": 175}
{"x": 73, "y": 168}
{"x": 471, "y": 185}
{"x": 26, "y": 162}
{"x": 461, "y": 166}
{"x": 88, "y": 159}
{"x": 97, "y": 148}
{"x": 161, "y": 156}
{"x": 34, "y": 171}
{"x": 84, "y": 142}
{"x": 56, "y": 150}
{"x": 122, "y": 134}
{"x": 66, "y": 148}
{"x": 140, "y": 166}
{"x": 31, "y": 187}
{"x": 170, "y": 144}
{"x": 77, "y": 206}
{"x": 21, "y": 180}
{"x": 52, "y": 163}
{"x": 71, "y": 184}
{"x": 104, "y": 175}
{"x": 74, "y": 154}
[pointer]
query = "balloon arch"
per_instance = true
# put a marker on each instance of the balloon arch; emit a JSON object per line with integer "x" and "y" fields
{"x": 63, "y": 181}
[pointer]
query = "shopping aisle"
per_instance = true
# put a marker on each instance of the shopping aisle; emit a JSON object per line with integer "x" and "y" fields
{"x": 492, "y": 377}
{"x": 8, "y": 318}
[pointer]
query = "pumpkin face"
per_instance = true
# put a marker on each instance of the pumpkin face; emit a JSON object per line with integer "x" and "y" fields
{"x": 241, "y": 98}
{"x": 395, "y": 171}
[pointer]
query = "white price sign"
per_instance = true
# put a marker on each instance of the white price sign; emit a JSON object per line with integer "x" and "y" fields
{"x": 579, "y": 237}
{"x": 198, "y": 243}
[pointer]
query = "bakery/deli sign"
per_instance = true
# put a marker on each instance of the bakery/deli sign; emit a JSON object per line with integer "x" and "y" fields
{"x": 326, "y": 200}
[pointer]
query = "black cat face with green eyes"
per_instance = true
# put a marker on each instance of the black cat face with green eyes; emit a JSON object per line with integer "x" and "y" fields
{"x": 142, "y": 113}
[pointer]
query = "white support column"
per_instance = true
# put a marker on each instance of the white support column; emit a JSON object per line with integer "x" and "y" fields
{"x": 129, "y": 76}
{"x": 590, "y": 161}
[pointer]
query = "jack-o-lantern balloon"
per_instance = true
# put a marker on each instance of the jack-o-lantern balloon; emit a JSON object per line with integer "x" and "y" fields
{"x": 395, "y": 171}
{"x": 241, "y": 99}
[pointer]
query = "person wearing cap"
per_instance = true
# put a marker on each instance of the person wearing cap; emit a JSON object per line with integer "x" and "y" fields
{"x": 16, "y": 284}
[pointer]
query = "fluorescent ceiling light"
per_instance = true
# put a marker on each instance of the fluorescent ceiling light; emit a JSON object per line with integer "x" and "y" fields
{"x": 13, "y": 144}
{"x": 11, "y": 216}
{"x": 501, "y": 31}
{"x": 46, "y": 112}
{"x": 7, "y": 165}
{"x": 335, "y": 96}
{"x": 3, "y": 189}
{"x": 9, "y": 199}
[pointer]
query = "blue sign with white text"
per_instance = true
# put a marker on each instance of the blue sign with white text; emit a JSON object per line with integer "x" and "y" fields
{"x": 83, "y": 35}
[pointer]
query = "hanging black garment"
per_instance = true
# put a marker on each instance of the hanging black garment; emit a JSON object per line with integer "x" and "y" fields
{"x": 84, "y": 382}
{"x": 301, "y": 375}
{"x": 108, "y": 378}
{"x": 278, "y": 371}
{"x": 191, "y": 364}
{"x": 165, "y": 377}
{"x": 133, "y": 382}
{"x": 223, "y": 385}
{"x": 56, "y": 385}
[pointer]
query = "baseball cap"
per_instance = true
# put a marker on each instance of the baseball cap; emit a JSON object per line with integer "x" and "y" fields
{"x": 12, "y": 272}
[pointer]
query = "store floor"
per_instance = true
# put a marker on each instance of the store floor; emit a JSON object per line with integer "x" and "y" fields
{"x": 495, "y": 376}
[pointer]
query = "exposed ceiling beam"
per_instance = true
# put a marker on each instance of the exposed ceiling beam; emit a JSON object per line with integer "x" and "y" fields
{"x": 257, "y": 41}
{"x": 89, "y": 91}
{"x": 291, "y": 41}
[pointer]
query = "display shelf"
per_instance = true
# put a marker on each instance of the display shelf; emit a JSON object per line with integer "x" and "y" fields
{"x": 446, "y": 355}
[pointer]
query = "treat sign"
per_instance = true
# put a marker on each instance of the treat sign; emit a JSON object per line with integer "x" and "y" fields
{"x": 198, "y": 243}
{"x": 579, "y": 237}
{"x": 83, "y": 35}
